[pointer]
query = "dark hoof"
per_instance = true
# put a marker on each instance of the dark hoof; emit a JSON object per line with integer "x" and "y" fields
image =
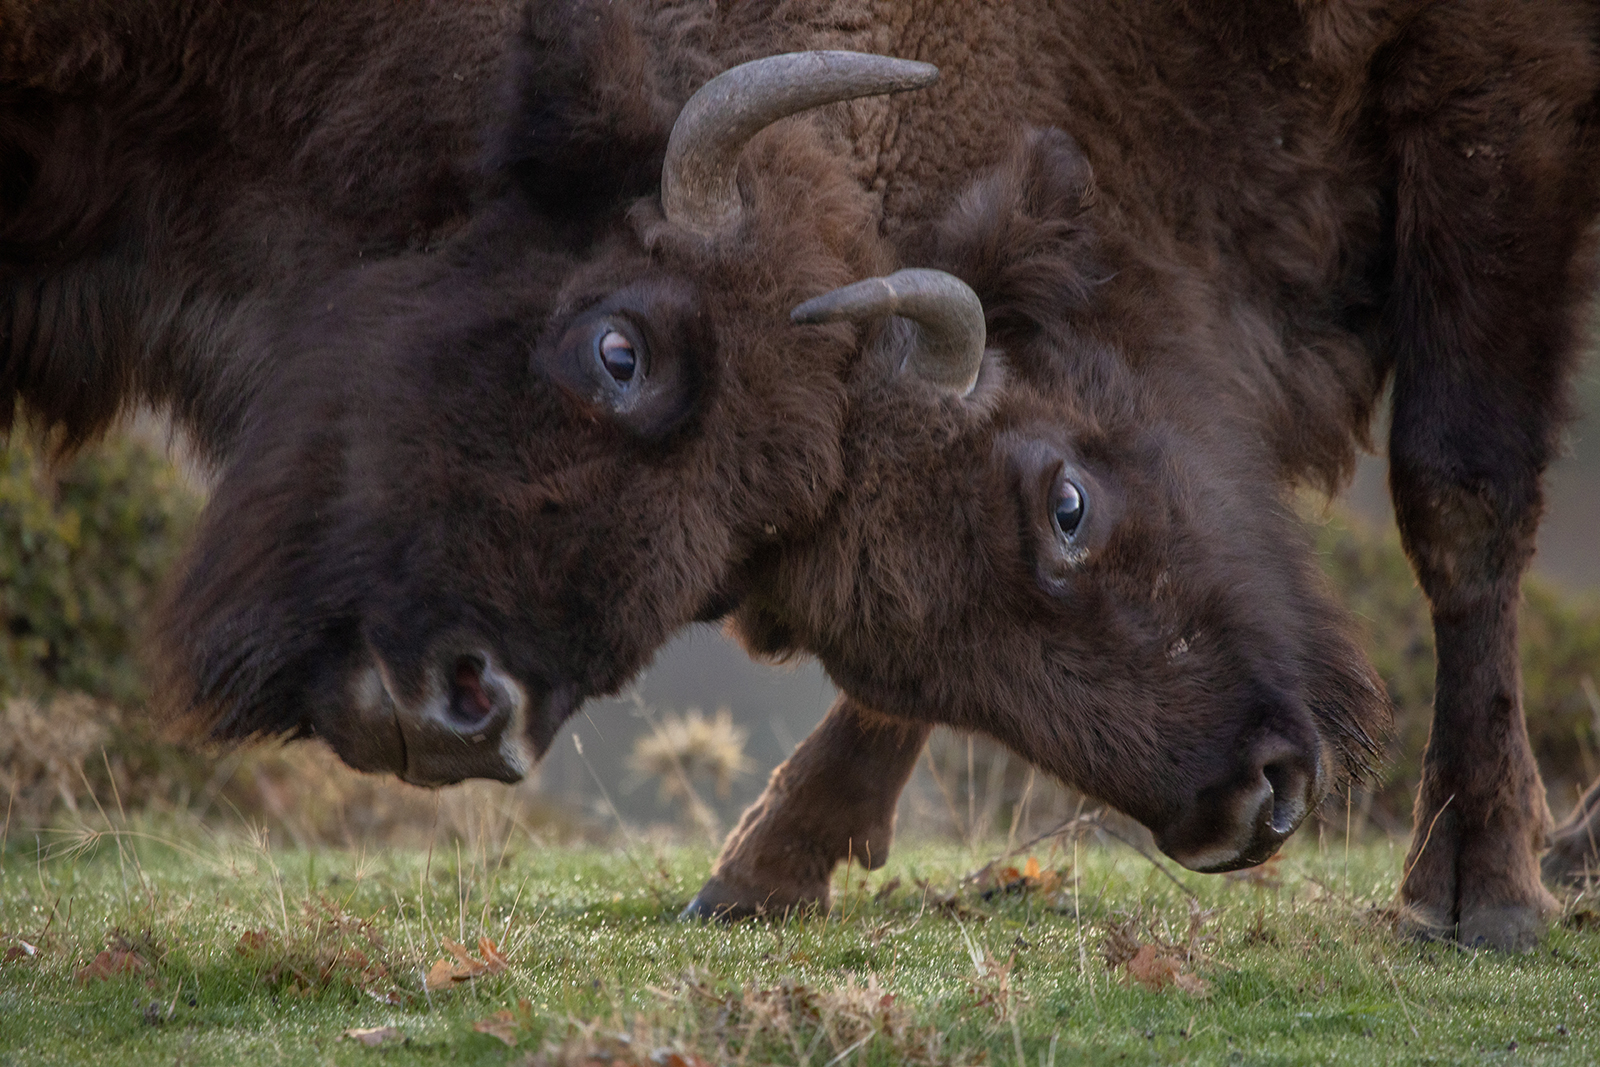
{"x": 1412, "y": 923}
{"x": 1505, "y": 928}
{"x": 717, "y": 900}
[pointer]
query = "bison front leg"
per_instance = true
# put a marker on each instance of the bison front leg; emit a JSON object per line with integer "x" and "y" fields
{"x": 1480, "y": 814}
{"x": 1467, "y": 449}
{"x": 1491, "y": 271}
{"x": 832, "y": 800}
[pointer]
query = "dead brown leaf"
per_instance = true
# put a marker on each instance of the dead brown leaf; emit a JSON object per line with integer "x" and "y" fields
{"x": 491, "y": 955}
{"x": 1155, "y": 964}
{"x": 502, "y": 1024}
{"x": 442, "y": 975}
{"x": 464, "y": 967}
{"x": 372, "y": 1036}
{"x": 252, "y": 941}
{"x": 1030, "y": 878}
{"x": 1152, "y": 968}
{"x": 110, "y": 963}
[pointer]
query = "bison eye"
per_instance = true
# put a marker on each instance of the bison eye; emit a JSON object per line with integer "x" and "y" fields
{"x": 616, "y": 355}
{"x": 1068, "y": 511}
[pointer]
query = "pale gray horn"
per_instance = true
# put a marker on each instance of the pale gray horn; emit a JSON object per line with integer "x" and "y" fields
{"x": 948, "y": 314}
{"x": 699, "y": 189}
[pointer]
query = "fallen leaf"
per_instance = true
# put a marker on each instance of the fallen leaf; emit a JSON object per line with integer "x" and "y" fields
{"x": 445, "y": 973}
{"x": 1030, "y": 870}
{"x": 493, "y": 961}
{"x": 442, "y": 975}
{"x": 372, "y": 1036}
{"x": 502, "y": 1024}
{"x": 1152, "y": 968}
{"x": 252, "y": 941}
{"x": 110, "y": 963}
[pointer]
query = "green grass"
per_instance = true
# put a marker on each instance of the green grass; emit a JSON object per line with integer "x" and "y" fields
{"x": 1298, "y": 972}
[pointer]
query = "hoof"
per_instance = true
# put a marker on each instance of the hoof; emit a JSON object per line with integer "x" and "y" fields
{"x": 1505, "y": 928}
{"x": 1412, "y": 923}
{"x": 720, "y": 901}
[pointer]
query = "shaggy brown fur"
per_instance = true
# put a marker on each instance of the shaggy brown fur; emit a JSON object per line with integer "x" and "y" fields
{"x": 1286, "y": 215}
{"x": 1263, "y": 212}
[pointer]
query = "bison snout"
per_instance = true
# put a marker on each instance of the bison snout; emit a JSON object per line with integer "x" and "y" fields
{"x": 470, "y": 721}
{"x": 1244, "y": 820}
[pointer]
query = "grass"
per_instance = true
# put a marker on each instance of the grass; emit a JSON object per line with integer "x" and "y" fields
{"x": 224, "y": 950}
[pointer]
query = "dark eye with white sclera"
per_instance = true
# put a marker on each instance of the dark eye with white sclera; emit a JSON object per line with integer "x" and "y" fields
{"x": 616, "y": 355}
{"x": 1067, "y": 513}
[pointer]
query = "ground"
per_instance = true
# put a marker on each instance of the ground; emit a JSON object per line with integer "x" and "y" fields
{"x": 166, "y": 944}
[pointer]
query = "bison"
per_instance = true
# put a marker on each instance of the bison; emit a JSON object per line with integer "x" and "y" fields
{"x": 489, "y": 422}
{"x": 1099, "y": 566}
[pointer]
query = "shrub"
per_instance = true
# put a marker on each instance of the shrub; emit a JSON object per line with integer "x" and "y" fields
{"x": 82, "y": 549}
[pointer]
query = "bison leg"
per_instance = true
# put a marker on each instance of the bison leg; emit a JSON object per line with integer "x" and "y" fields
{"x": 833, "y": 799}
{"x": 1490, "y": 273}
{"x": 1465, "y": 472}
{"x": 1480, "y": 814}
{"x": 1574, "y": 854}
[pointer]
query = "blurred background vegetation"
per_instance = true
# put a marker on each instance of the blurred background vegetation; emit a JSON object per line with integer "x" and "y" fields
{"x": 85, "y": 545}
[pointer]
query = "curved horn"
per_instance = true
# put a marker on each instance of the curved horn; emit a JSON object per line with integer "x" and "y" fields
{"x": 948, "y": 314}
{"x": 698, "y": 180}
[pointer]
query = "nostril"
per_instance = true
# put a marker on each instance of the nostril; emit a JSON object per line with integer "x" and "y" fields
{"x": 470, "y": 703}
{"x": 1288, "y": 781}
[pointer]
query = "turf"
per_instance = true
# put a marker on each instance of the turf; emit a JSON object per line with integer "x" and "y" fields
{"x": 224, "y": 950}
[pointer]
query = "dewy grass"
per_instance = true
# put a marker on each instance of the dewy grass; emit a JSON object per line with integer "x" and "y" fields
{"x": 167, "y": 945}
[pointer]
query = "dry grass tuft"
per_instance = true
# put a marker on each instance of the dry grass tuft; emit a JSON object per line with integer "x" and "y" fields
{"x": 43, "y": 751}
{"x": 682, "y": 748}
{"x": 789, "y": 1021}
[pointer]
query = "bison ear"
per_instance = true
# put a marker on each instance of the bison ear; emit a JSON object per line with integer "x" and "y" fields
{"x": 1022, "y": 235}
{"x": 586, "y": 122}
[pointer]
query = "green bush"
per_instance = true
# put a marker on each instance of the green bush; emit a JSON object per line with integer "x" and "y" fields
{"x": 82, "y": 550}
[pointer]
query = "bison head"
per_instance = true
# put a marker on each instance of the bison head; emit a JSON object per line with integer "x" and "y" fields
{"x": 1090, "y": 557}
{"x": 484, "y": 483}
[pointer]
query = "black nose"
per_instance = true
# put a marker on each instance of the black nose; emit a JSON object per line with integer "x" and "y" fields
{"x": 1291, "y": 772}
{"x": 1242, "y": 817}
